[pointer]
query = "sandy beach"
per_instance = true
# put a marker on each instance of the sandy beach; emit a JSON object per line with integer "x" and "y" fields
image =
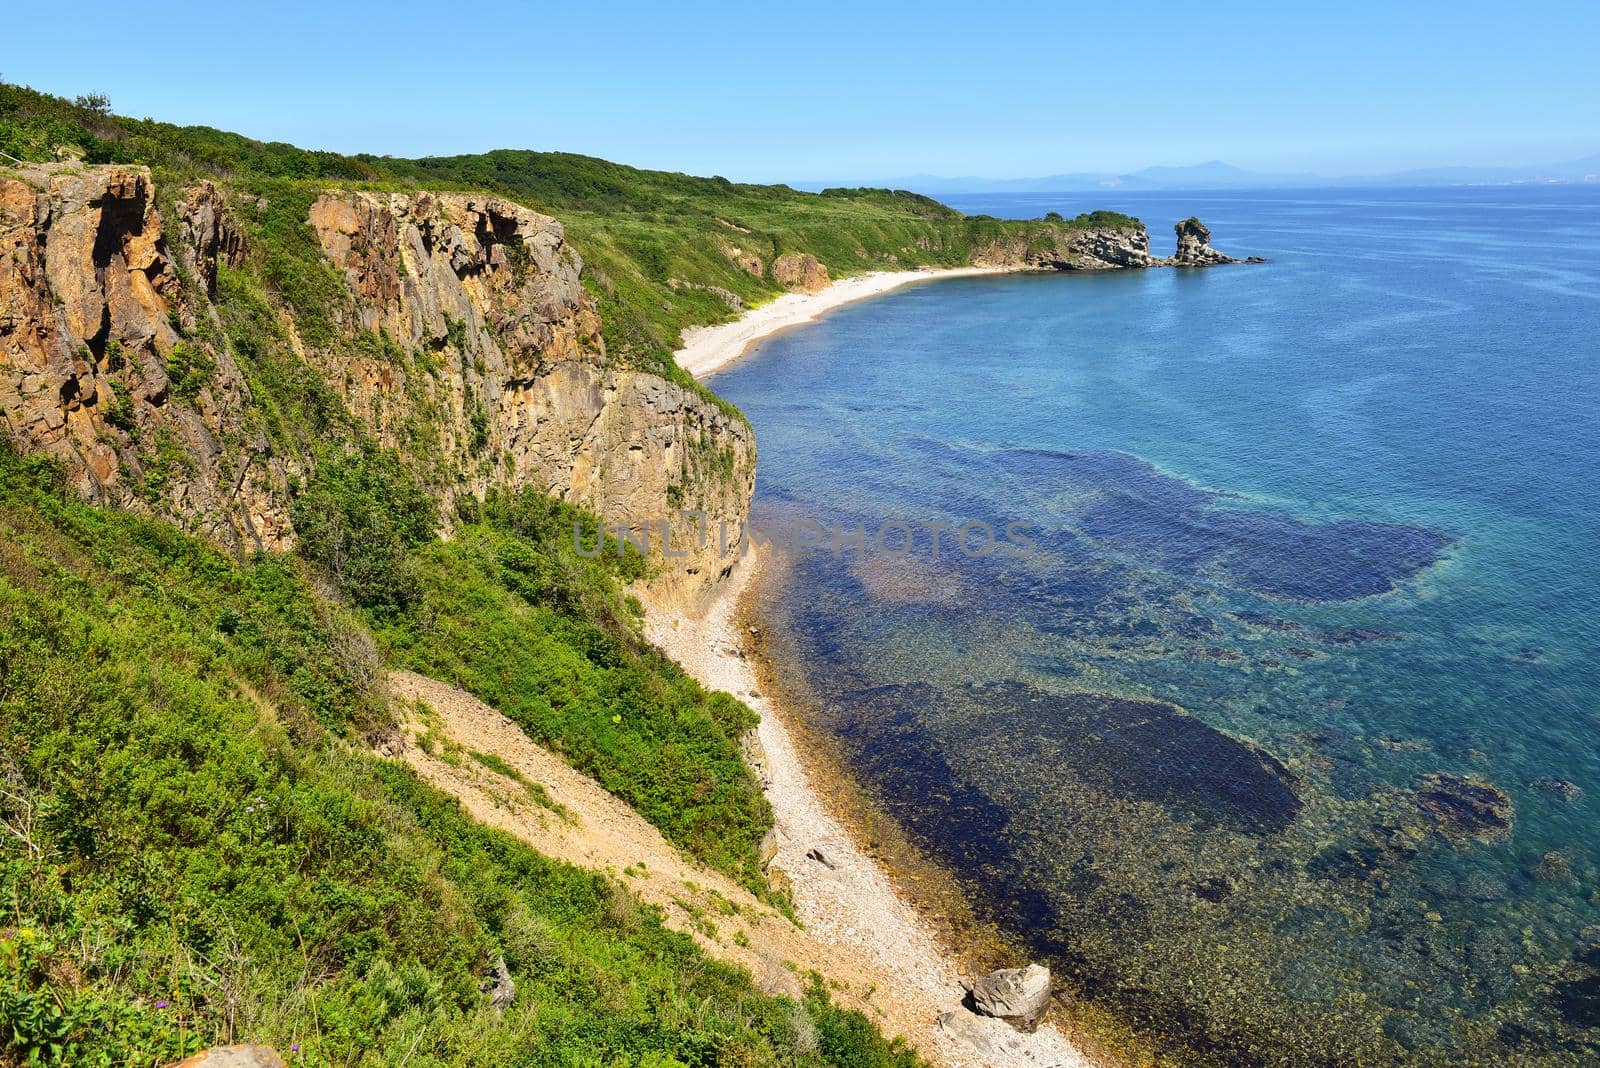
{"x": 842, "y": 895}
{"x": 708, "y": 349}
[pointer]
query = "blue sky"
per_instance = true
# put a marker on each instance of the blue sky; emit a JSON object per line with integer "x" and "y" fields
{"x": 817, "y": 89}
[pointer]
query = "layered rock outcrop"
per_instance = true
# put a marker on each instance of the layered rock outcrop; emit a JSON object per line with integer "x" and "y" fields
{"x": 802, "y": 271}
{"x": 492, "y": 348}
{"x": 100, "y": 363}
{"x": 1194, "y": 247}
{"x": 1053, "y": 248}
{"x": 465, "y": 338}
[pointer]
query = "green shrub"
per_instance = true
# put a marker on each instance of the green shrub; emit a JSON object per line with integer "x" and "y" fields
{"x": 190, "y": 369}
{"x": 358, "y": 518}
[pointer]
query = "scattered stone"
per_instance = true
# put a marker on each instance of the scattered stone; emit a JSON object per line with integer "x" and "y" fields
{"x": 820, "y": 857}
{"x": 499, "y": 987}
{"x": 1019, "y": 996}
{"x": 1466, "y": 810}
{"x": 1562, "y": 788}
{"x": 248, "y": 1056}
{"x": 978, "y": 1035}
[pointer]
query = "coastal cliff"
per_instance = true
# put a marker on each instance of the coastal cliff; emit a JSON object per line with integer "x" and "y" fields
{"x": 519, "y": 390}
{"x": 1118, "y": 245}
{"x": 461, "y": 335}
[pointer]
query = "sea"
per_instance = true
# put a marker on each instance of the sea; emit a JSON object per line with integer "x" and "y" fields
{"x": 1230, "y": 636}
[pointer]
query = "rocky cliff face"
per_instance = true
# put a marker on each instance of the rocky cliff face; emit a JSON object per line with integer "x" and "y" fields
{"x": 494, "y": 351}
{"x": 97, "y": 364}
{"x": 1068, "y": 249}
{"x": 467, "y": 341}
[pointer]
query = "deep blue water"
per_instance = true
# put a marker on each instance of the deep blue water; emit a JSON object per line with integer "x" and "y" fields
{"x": 1307, "y": 536}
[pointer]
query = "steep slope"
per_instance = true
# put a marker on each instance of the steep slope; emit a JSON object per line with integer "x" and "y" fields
{"x": 468, "y": 750}
{"x": 453, "y": 329}
{"x": 195, "y": 847}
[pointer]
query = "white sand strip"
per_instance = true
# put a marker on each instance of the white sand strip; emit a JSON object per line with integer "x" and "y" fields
{"x": 708, "y": 349}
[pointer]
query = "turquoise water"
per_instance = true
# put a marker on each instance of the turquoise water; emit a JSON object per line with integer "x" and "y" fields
{"x": 1281, "y": 741}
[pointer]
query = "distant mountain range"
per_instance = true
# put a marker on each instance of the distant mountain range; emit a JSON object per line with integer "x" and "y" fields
{"x": 1219, "y": 175}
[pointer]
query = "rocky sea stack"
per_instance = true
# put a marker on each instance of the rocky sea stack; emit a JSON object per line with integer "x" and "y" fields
{"x": 1194, "y": 247}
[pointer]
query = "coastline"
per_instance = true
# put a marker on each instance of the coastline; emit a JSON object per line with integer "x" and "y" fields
{"x": 841, "y": 893}
{"x": 709, "y": 349}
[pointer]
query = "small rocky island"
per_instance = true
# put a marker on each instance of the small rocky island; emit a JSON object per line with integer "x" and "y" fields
{"x": 1194, "y": 248}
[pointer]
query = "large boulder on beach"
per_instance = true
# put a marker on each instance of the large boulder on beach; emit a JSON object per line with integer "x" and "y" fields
{"x": 1019, "y": 996}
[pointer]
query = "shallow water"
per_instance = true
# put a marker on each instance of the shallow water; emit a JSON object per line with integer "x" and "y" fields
{"x": 1312, "y": 559}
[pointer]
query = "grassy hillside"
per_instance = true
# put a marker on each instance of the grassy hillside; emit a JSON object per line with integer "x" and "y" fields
{"x": 194, "y": 846}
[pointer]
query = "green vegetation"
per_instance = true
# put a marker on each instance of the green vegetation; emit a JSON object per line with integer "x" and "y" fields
{"x": 189, "y": 369}
{"x": 510, "y": 611}
{"x": 195, "y": 847}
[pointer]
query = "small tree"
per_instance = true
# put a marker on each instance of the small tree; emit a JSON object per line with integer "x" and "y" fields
{"x": 99, "y": 103}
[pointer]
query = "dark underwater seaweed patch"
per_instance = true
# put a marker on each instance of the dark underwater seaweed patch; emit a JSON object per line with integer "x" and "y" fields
{"x": 1142, "y": 750}
{"x": 1132, "y": 506}
{"x": 954, "y": 821}
{"x": 1151, "y": 751}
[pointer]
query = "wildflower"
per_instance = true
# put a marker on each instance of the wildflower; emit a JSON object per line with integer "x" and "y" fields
{"x": 161, "y": 1004}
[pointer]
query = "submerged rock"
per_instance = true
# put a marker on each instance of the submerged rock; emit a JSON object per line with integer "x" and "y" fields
{"x": 1561, "y": 788}
{"x": 1216, "y": 889}
{"x": 1554, "y": 867}
{"x": 1019, "y": 996}
{"x": 1466, "y": 810}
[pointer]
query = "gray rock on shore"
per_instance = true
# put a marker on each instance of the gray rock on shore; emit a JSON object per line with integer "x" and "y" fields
{"x": 1019, "y": 996}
